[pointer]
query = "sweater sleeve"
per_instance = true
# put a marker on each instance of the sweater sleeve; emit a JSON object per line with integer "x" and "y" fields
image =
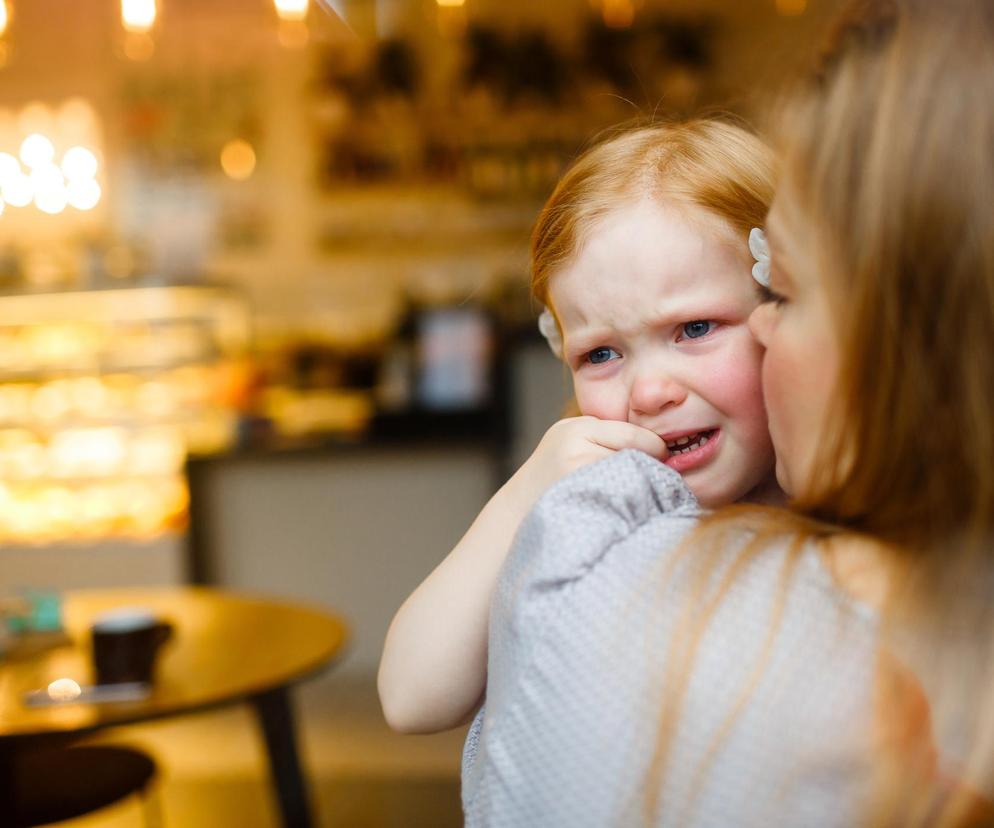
{"x": 581, "y": 517}
{"x": 559, "y": 545}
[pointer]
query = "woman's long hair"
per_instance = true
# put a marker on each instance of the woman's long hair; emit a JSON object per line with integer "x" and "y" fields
{"x": 887, "y": 165}
{"x": 888, "y": 158}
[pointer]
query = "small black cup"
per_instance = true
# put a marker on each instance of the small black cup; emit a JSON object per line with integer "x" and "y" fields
{"x": 125, "y": 644}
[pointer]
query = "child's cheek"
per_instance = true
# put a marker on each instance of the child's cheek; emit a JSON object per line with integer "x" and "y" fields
{"x": 737, "y": 387}
{"x": 597, "y": 400}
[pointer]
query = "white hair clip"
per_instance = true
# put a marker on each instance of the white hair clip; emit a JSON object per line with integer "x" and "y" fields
{"x": 550, "y": 330}
{"x": 760, "y": 250}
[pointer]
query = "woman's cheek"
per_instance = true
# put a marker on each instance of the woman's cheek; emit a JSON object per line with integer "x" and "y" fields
{"x": 777, "y": 395}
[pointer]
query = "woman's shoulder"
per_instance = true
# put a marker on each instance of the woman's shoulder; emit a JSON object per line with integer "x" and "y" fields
{"x": 859, "y": 567}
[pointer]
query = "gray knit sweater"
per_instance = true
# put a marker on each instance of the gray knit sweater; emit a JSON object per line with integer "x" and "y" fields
{"x": 586, "y": 621}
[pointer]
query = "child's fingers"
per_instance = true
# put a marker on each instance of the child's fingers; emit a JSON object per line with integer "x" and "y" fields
{"x": 616, "y": 436}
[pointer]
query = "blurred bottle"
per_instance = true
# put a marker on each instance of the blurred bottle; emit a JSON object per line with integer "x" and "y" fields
{"x": 395, "y": 386}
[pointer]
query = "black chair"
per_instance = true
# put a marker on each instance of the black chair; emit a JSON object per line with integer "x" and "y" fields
{"x": 55, "y": 784}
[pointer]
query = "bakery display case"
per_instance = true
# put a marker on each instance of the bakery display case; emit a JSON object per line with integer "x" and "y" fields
{"x": 103, "y": 395}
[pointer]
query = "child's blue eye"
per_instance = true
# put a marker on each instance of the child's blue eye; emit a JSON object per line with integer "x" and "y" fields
{"x": 698, "y": 328}
{"x": 599, "y": 355}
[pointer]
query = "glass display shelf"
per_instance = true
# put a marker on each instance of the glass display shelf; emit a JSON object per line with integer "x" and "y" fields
{"x": 103, "y": 394}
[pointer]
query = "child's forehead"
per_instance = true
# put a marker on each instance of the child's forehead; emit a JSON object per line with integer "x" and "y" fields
{"x": 640, "y": 266}
{"x": 680, "y": 244}
{"x": 659, "y": 211}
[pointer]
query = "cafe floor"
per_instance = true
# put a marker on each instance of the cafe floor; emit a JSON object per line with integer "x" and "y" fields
{"x": 362, "y": 775}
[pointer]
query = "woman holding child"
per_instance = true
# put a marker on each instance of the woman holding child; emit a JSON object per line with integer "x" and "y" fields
{"x": 830, "y": 664}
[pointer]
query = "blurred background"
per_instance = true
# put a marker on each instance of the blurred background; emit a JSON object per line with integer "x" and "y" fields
{"x": 264, "y": 312}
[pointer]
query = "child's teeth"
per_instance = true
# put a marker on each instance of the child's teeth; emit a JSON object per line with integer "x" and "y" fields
{"x": 685, "y": 448}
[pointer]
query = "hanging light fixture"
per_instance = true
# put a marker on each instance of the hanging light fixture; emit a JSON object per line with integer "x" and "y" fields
{"x": 618, "y": 14}
{"x": 138, "y": 16}
{"x": 292, "y": 33}
{"x": 6, "y": 12}
{"x": 292, "y": 9}
{"x": 451, "y": 17}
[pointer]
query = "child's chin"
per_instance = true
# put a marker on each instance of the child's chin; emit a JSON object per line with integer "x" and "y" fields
{"x": 708, "y": 496}
{"x": 713, "y": 502}
{"x": 767, "y": 492}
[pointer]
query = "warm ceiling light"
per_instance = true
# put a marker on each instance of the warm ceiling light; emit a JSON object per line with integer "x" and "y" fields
{"x": 52, "y": 202}
{"x": 292, "y": 9}
{"x": 10, "y": 167}
{"x": 138, "y": 15}
{"x": 79, "y": 163}
{"x": 4, "y": 17}
{"x": 18, "y": 191}
{"x": 238, "y": 160}
{"x": 618, "y": 14}
{"x": 47, "y": 177}
{"x": 37, "y": 151}
{"x": 451, "y": 3}
{"x": 49, "y": 187}
{"x": 791, "y": 8}
{"x": 83, "y": 194}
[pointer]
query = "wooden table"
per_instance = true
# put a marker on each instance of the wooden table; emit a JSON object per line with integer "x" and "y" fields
{"x": 225, "y": 648}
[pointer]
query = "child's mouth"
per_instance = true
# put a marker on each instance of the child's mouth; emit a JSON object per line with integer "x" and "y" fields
{"x": 693, "y": 450}
{"x": 690, "y": 443}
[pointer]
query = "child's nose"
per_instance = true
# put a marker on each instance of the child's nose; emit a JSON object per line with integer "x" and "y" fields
{"x": 651, "y": 393}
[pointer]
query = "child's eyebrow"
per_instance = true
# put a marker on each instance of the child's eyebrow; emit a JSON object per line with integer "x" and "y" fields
{"x": 703, "y": 306}
{"x": 586, "y": 339}
{"x": 698, "y": 306}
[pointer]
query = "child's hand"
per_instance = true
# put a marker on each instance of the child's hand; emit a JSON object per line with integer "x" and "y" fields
{"x": 434, "y": 668}
{"x": 579, "y": 441}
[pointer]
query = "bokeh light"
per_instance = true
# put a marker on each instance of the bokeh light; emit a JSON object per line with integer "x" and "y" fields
{"x": 37, "y": 150}
{"x": 64, "y": 689}
{"x": 79, "y": 162}
{"x": 238, "y": 160}
{"x": 138, "y": 15}
{"x": 292, "y": 9}
{"x": 83, "y": 194}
